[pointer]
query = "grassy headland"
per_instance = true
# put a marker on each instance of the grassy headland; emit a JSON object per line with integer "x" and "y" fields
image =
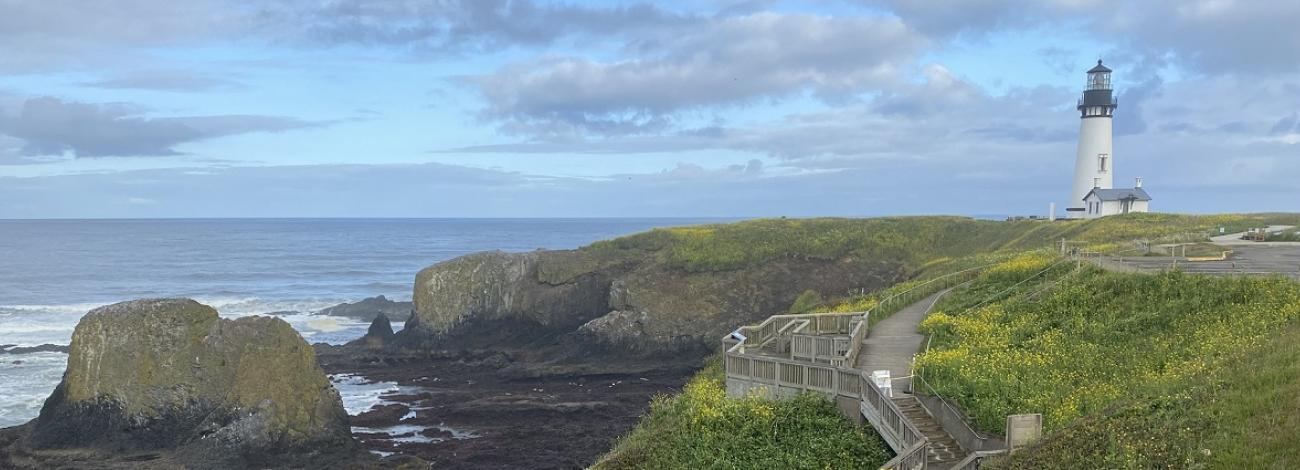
{"x": 1066, "y": 349}
{"x": 919, "y": 240}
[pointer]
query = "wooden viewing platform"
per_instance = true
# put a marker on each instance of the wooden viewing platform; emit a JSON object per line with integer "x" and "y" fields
{"x": 835, "y": 354}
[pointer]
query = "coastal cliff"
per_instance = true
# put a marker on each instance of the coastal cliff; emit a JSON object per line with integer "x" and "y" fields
{"x": 166, "y": 383}
{"x": 640, "y": 305}
{"x": 679, "y": 289}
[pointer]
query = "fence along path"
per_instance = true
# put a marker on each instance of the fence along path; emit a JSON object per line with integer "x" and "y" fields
{"x": 835, "y": 353}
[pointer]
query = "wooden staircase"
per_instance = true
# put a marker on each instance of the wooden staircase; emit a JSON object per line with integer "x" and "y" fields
{"x": 944, "y": 450}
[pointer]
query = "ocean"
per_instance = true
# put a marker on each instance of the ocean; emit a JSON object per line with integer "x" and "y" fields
{"x": 53, "y": 271}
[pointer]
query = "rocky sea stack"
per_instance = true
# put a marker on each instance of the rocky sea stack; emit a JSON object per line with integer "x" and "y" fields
{"x": 166, "y": 383}
{"x": 369, "y": 308}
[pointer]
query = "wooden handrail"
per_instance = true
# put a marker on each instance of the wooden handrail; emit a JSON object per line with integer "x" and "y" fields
{"x": 912, "y": 458}
{"x": 836, "y": 376}
{"x": 972, "y": 460}
{"x": 755, "y": 333}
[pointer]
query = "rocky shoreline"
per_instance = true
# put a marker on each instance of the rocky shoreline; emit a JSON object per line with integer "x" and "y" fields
{"x": 473, "y": 402}
{"x": 506, "y": 360}
{"x": 513, "y": 408}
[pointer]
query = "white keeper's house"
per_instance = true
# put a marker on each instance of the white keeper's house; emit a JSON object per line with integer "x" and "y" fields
{"x": 1094, "y": 194}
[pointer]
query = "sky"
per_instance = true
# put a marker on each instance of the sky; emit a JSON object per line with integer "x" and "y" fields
{"x": 710, "y": 108}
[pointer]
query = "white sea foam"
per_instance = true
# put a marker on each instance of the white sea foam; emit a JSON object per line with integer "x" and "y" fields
{"x": 399, "y": 433}
{"x": 325, "y": 324}
{"x": 25, "y": 381}
{"x": 243, "y": 306}
{"x": 360, "y": 394}
{"x": 400, "y": 430}
{"x": 32, "y": 325}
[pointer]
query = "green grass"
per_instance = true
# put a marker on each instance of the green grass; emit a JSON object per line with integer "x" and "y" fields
{"x": 1243, "y": 415}
{"x": 914, "y": 241}
{"x": 861, "y": 302}
{"x": 1073, "y": 348}
{"x": 701, "y": 429}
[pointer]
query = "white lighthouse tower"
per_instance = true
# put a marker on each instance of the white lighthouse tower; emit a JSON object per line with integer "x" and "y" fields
{"x": 1093, "y": 194}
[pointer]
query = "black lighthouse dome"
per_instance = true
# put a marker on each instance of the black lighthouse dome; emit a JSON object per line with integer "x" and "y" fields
{"x": 1099, "y": 68}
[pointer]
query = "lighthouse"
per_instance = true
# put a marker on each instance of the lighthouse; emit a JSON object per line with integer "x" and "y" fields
{"x": 1093, "y": 194}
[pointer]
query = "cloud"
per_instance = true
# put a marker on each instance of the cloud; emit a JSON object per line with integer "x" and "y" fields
{"x": 942, "y": 117}
{"x": 732, "y": 61}
{"x": 691, "y": 171}
{"x": 165, "y": 81}
{"x": 55, "y": 34}
{"x": 51, "y": 126}
{"x": 974, "y": 17}
{"x": 1133, "y": 99}
{"x": 455, "y": 26}
{"x": 1209, "y": 36}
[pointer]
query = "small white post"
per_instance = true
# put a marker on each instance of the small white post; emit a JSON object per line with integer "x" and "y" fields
{"x": 883, "y": 382}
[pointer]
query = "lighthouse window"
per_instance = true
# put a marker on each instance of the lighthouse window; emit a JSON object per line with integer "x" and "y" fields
{"x": 1101, "y": 162}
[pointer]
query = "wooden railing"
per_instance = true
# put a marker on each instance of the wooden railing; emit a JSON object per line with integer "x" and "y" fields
{"x": 888, "y": 419}
{"x": 816, "y": 352}
{"x": 784, "y": 377}
{"x": 776, "y": 327}
{"x": 912, "y": 458}
{"x": 803, "y": 336}
{"x": 973, "y": 459}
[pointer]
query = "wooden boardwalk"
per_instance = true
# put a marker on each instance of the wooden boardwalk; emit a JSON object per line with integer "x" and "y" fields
{"x": 891, "y": 343}
{"x": 835, "y": 354}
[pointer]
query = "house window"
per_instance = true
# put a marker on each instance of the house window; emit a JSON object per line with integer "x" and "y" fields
{"x": 1101, "y": 162}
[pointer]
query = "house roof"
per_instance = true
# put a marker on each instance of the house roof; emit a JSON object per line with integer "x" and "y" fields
{"x": 1099, "y": 68}
{"x": 1119, "y": 194}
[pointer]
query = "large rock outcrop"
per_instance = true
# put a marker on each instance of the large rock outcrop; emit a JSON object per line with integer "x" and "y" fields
{"x": 630, "y": 300}
{"x": 527, "y": 289}
{"x": 167, "y": 377}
